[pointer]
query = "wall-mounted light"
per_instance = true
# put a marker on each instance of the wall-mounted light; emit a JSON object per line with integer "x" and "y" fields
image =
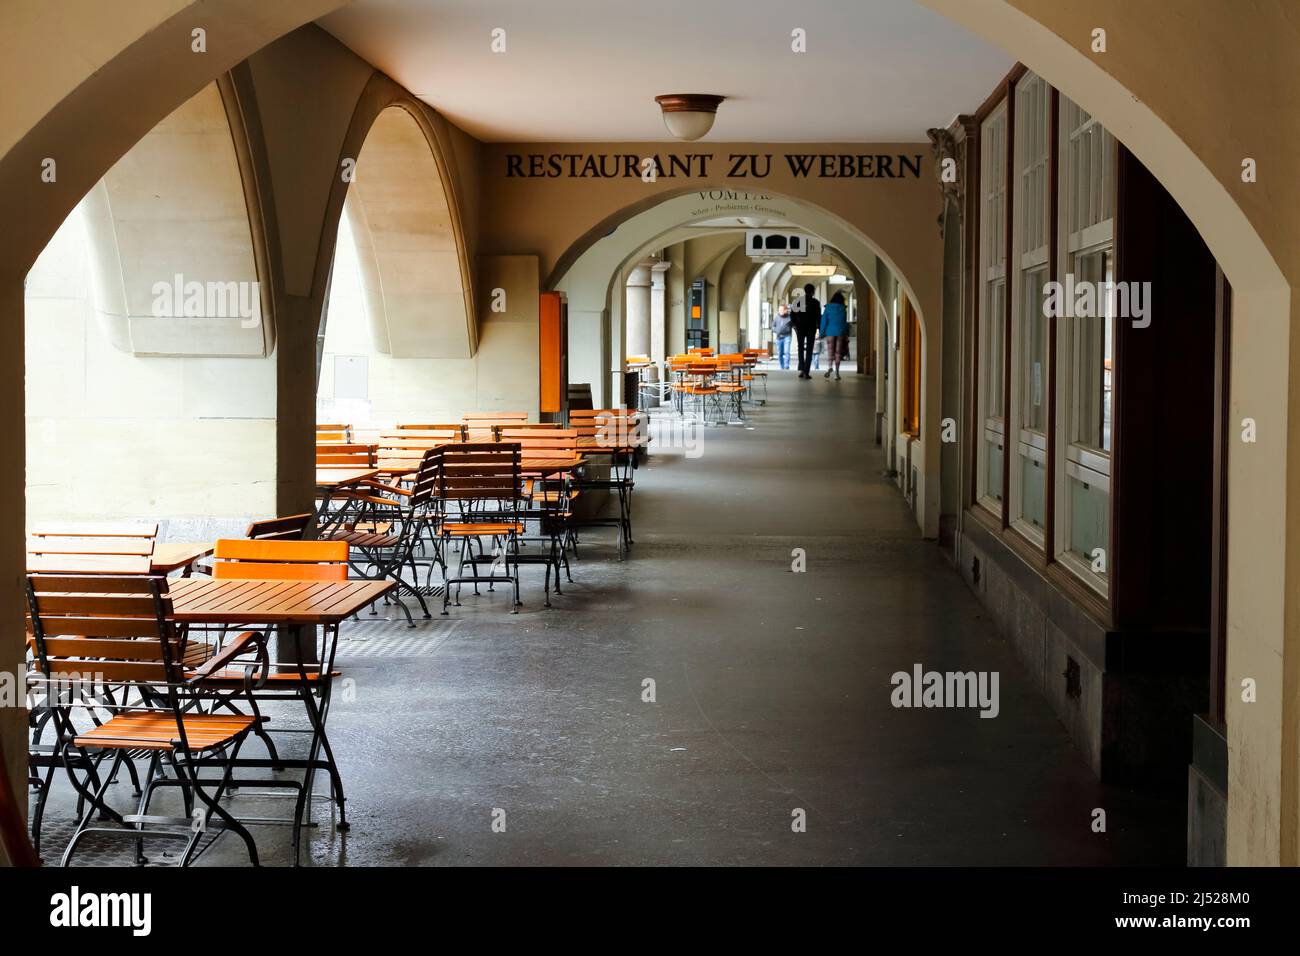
{"x": 689, "y": 116}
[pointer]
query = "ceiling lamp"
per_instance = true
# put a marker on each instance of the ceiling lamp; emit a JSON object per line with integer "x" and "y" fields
{"x": 689, "y": 116}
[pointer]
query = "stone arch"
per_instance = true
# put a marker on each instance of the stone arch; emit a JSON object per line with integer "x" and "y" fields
{"x": 415, "y": 274}
{"x": 425, "y": 319}
{"x": 592, "y": 265}
{"x": 171, "y": 229}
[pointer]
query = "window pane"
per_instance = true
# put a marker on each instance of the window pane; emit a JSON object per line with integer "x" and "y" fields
{"x": 1093, "y": 358}
{"x": 993, "y": 452}
{"x": 994, "y": 353}
{"x": 1033, "y": 491}
{"x": 1089, "y": 520}
{"x": 1033, "y": 363}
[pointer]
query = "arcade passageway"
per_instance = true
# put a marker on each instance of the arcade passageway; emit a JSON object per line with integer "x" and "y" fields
{"x": 772, "y": 692}
{"x": 328, "y": 315}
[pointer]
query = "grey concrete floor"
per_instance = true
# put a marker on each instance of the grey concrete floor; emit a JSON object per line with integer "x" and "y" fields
{"x": 772, "y": 692}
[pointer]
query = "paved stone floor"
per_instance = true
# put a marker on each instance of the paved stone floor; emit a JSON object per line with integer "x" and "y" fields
{"x": 772, "y": 692}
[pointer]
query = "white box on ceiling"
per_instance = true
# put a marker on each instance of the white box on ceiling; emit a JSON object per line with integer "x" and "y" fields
{"x": 779, "y": 244}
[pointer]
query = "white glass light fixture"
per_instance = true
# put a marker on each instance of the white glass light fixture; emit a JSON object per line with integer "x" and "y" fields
{"x": 689, "y": 116}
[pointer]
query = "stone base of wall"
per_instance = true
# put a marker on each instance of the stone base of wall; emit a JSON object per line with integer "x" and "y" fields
{"x": 1126, "y": 698}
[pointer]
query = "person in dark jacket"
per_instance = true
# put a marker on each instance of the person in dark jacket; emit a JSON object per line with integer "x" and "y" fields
{"x": 807, "y": 312}
{"x": 782, "y": 326}
{"x": 835, "y": 333}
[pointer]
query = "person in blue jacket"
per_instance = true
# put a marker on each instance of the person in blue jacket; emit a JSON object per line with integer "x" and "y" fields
{"x": 835, "y": 331}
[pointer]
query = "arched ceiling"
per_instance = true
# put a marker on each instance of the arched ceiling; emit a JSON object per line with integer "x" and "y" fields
{"x": 406, "y": 245}
{"x": 171, "y": 253}
{"x": 910, "y": 64}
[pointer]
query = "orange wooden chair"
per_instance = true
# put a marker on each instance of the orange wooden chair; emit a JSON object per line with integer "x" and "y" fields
{"x": 119, "y": 632}
{"x": 91, "y": 547}
{"x": 482, "y": 481}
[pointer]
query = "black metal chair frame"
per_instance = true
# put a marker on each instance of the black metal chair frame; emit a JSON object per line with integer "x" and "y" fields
{"x": 171, "y": 696}
{"x": 483, "y": 481}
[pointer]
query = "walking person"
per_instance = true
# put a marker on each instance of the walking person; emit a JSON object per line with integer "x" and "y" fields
{"x": 782, "y": 327}
{"x": 807, "y": 319}
{"x": 834, "y": 331}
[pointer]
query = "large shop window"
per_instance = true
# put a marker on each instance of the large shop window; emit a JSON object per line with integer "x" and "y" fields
{"x": 1029, "y": 372}
{"x": 992, "y": 315}
{"x": 1086, "y": 357}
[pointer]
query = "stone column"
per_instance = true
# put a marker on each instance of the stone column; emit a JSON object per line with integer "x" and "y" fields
{"x": 638, "y": 308}
{"x": 658, "y": 310}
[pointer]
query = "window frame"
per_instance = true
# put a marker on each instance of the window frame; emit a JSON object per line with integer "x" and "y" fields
{"x": 1077, "y": 461}
{"x": 992, "y": 280}
{"x": 1033, "y": 156}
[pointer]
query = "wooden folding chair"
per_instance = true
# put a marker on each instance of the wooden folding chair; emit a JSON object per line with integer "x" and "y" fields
{"x": 547, "y": 500}
{"x": 408, "y": 517}
{"x": 109, "y": 631}
{"x": 482, "y": 481}
{"x": 77, "y": 548}
{"x": 617, "y": 433}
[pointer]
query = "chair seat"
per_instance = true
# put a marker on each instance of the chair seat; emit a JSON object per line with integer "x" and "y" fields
{"x": 156, "y": 731}
{"x": 553, "y": 495}
{"x": 363, "y": 539}
{"x": 277, "y": 677}
{"x": 484, "y": 527}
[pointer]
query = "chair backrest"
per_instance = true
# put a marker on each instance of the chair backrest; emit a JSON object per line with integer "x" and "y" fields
{"x": 451, "y": 432}
{"x": 638, "y": 360}
{"x": 91, "y": 548}
{"x": 290, "y": 528}
{"x": 554, "y": 442}
{"x": 424, "y": 486}
{"x": 333, "y": 432}
{"x": 360, "y": 456}
{"x": 95, "y": 529}
{"x": 480, "y": 471}
{"x": 621, "y": 426}
{"x": 240, "y": 558}
{"x": 92, "y": 628}
{"x": 523, "y": 427}
{"x": 481, "y": 425}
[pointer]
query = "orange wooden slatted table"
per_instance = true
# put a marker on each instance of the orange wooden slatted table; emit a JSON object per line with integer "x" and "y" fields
{"x": 550, "y": 466}
{"x": 169, "y": 556}
{"x": 332, "y": 479}
{"x": 292, "y": 605}
{"x": 238, "y": 601}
